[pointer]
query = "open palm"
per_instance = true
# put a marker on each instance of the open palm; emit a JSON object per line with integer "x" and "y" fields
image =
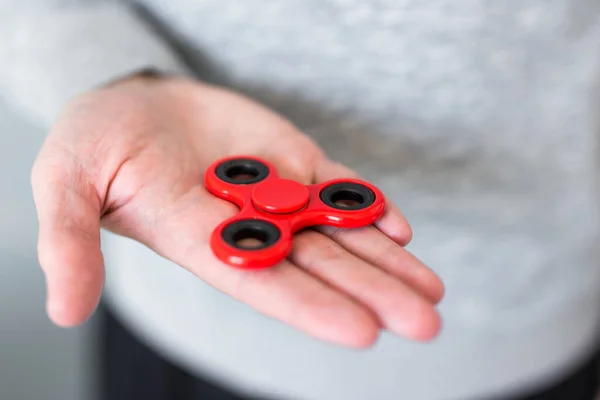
{"x": 131, "y": 158}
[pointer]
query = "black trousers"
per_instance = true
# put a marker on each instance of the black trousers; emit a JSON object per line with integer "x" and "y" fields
{"x": 131, "y": 371}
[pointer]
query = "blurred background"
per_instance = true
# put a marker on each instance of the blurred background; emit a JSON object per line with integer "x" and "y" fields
{"x": 37, "y": 360}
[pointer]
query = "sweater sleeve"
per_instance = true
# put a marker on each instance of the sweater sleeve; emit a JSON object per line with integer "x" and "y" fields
{"x": 52, "y": 50}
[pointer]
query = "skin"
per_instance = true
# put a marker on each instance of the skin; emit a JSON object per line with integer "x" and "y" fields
{"x": 130, "y": 158}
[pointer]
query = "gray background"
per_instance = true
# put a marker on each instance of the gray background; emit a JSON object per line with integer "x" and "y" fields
{"x": 37, "y": 360}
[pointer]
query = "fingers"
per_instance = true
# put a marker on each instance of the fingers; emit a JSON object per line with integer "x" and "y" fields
{"x": 380, "y": 246}
{"x": 393, "y": 224}
{"x": 400, "y": 308}
{"x": 284, "y": 292}
{"x": 296, "y": 298}
{"x": 68, "y": 211}
{"x": 377, "y": 249}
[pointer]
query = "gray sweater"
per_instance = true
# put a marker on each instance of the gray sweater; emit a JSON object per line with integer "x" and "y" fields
{"x": 479, "y": 118}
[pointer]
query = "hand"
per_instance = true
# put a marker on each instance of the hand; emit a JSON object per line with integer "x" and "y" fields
{"x": 131, "y": 158}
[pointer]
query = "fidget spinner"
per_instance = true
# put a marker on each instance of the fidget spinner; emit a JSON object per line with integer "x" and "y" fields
{"x": 272, "y": 209}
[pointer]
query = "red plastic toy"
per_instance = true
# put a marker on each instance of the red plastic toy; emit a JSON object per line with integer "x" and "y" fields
{"x": 272, "y": 209}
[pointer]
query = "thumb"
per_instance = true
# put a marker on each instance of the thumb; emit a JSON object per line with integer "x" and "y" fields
{"x": 68, "y": 208}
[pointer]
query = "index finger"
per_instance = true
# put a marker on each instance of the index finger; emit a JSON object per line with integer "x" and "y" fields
{"x": 393, "y": 223}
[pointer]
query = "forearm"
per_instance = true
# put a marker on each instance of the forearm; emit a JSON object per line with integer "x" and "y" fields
{"x": 52, "y": 50}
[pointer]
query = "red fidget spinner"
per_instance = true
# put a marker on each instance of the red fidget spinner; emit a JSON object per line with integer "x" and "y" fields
{"x": 272, "y": 209}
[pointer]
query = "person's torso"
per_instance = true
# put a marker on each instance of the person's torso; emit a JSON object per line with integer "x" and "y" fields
{"x": 478, "y": 118}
